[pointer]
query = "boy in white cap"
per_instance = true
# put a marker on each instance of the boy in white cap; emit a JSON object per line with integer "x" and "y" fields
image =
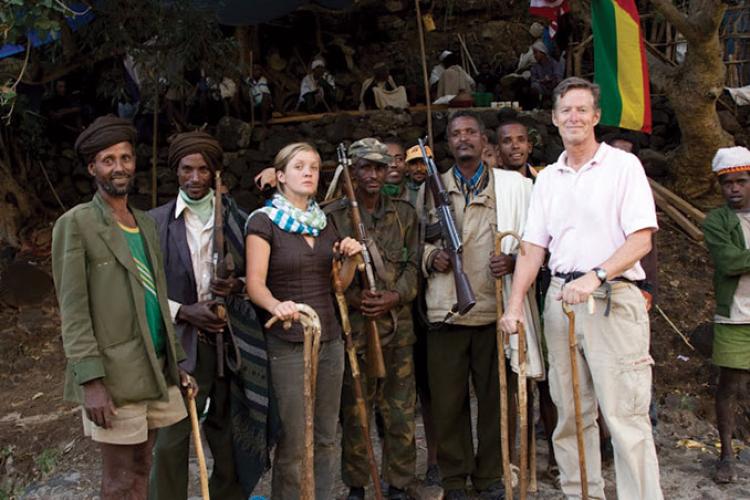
{"x": 727, "y": 234}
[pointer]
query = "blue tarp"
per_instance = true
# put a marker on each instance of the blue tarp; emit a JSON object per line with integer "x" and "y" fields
{"x": 75, "y": 22}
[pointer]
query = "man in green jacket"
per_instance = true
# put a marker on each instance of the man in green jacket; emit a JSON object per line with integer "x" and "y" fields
{"x": 727, "y": 234}
{"x": 122, "y": 355}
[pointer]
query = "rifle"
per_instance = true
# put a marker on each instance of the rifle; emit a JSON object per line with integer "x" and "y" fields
{"x": 465, "y": 299}
{"x": 375, "y": 363}
{"x": 359, "y": 397}
{"x": 223, "y": 264}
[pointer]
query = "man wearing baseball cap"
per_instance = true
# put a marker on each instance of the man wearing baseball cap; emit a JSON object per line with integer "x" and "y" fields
{"x": 727, "y": 234}
{"x": 391, "y": 226}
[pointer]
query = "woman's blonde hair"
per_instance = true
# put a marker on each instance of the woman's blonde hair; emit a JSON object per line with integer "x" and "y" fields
{"x": 285, "y": 155}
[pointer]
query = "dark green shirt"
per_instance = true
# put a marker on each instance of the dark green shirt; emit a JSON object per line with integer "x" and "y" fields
{"x": 393, "y": 229}
{"x": 153, "y": 313}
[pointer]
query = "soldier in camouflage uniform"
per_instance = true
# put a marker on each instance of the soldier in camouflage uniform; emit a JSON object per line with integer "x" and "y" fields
{"x": 391, "y": 225}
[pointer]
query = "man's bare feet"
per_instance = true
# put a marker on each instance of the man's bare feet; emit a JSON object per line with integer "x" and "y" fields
{"x": 725, "y": 472}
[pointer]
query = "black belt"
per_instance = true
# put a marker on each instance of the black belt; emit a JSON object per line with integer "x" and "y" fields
{"x": 568, "y": 277}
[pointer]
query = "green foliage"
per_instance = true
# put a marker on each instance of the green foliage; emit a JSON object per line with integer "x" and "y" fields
{"x": 165, "y": 39}
{"x": 47, "y": 460}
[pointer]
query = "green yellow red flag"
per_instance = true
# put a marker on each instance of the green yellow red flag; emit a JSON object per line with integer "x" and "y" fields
{"x": 620, "y": 66}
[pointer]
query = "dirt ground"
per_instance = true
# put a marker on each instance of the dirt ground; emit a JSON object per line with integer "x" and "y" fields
{"x": 44, "y": 455}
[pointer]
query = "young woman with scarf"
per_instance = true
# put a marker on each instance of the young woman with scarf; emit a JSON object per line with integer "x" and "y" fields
{"x": 290, "y": 251}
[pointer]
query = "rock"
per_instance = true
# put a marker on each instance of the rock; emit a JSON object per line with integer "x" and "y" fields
{"x": 247, "y": 181}
{"x": 729, "y": 122}
{"x": 393, "y": 6}
{"x": 361, "y": 132}
{"x": 233, "y": 134}
{"x": 660, "y": 116}
{"x": 340, "y": 128}
{"x": 654, "y": 163}
{"x": 237, "y": 166}
{"x": 387, "y": 121}
{"x": 419, "y": 119}
{"x": 744, "y": 456}
{"x": 390, "y": 26}
{"x": 409, "y": 136}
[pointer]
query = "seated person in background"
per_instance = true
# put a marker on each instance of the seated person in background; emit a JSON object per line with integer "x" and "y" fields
{"x": 487, "y": 80}
{"x": 454, "y": 79}
{"x": 380, "y": 91}
{"x": 64, "y": 113}
{"x": 258, "y": 93}
{"x": 438, "y": 70}
{"x": 546, "y": 73}
{"x": 318, "y": 89}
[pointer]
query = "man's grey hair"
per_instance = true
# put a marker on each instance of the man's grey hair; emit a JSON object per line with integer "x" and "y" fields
{"x": 576, "y": 83}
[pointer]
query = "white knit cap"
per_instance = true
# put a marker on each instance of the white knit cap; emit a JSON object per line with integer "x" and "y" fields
{"x": 730, "y": 160}
{"x": 540, "y": 46}
{"x": 317, "y": 63}
{"x": 444, "y": 54}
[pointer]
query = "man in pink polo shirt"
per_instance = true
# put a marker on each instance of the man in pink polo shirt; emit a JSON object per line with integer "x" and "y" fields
{"x": 593, "y": 210}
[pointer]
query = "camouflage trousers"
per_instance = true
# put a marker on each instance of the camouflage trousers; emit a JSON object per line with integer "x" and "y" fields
{"x": 395, "y": 397}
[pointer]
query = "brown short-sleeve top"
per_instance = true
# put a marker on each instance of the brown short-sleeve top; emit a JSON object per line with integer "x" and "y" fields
{"x": 299, "y": 273}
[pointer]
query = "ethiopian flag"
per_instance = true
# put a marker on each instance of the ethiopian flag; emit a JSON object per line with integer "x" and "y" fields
{"x": 620, "y": 66}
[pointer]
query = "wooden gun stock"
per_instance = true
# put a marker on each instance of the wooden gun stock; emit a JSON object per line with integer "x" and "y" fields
{"x": 375, "y": 362}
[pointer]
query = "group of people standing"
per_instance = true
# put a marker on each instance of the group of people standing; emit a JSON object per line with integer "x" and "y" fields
{"x": 141, "y": 297}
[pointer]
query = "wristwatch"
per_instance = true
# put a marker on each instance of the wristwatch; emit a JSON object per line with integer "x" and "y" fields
{"x": 601, "y": 274}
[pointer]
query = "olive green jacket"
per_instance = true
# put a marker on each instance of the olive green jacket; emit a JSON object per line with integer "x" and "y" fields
{"x": 731, "y": 258}
{"x": 393, "y": 229}
{"x": 102, "y": 306}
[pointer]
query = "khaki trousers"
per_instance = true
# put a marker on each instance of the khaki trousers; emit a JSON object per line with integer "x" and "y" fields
{"x": 614, "y": 367}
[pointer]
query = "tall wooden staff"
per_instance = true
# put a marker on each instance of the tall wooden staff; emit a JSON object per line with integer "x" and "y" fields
{"x": 503, "y": 374}
{"x": 198, "y": 444}
{"x": 577, "y": 396}
{"x": 426, "y": 78}
{"x": 311, "y": 330}
{"x": 351, "y": 353}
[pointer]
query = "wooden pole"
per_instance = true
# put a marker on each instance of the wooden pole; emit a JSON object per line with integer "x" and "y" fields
{"x": 154, "y": 151}
{"x": 577, "y": 399}
{"x": 523, "y": 414}
{"x": 198, "y": 445}
{"x": 425, "y": 77}
{"x": 503, "y": 375}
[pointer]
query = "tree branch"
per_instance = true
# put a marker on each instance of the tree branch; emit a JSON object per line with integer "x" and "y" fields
{"x": 677, "y": 18}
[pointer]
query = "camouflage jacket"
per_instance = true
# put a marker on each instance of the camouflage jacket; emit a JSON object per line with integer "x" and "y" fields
{"x": 393, "y": 229}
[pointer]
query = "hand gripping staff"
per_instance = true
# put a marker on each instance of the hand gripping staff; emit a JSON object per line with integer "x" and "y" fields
{"x": 351, "y": 353}
{"x": 375, "y": 363}
{"x": 465, "y": 299}
{"x": 577, "y": 394}
{"x": 198, "y": 444}
{"x": 311, "y": 330}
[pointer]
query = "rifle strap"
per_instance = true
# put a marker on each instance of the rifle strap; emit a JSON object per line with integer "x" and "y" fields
{"x": 379, "y": 265}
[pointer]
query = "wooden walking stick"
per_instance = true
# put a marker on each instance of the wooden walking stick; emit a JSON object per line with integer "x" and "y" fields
{"x": 198, "y": 444}
{"x": 523, "y": 414}
{"x": 503, "y": 374}
{"x": 359, "y": 398}
{"x": 311, "y": 330}
{"x": 577, "y": 397}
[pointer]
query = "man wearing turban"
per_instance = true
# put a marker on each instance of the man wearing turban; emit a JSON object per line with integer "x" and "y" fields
{"x": 122, "y": 357}
{"x": 186, "y": 227}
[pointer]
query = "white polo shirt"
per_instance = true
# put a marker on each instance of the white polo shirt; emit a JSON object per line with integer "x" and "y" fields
{"x": 584, "y": 217}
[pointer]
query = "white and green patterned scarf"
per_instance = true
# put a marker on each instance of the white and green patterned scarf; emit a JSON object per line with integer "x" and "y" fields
{"x": 291, "y": 219}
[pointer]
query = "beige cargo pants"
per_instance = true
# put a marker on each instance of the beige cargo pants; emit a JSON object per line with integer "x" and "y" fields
{"x": 614, "y": 367}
